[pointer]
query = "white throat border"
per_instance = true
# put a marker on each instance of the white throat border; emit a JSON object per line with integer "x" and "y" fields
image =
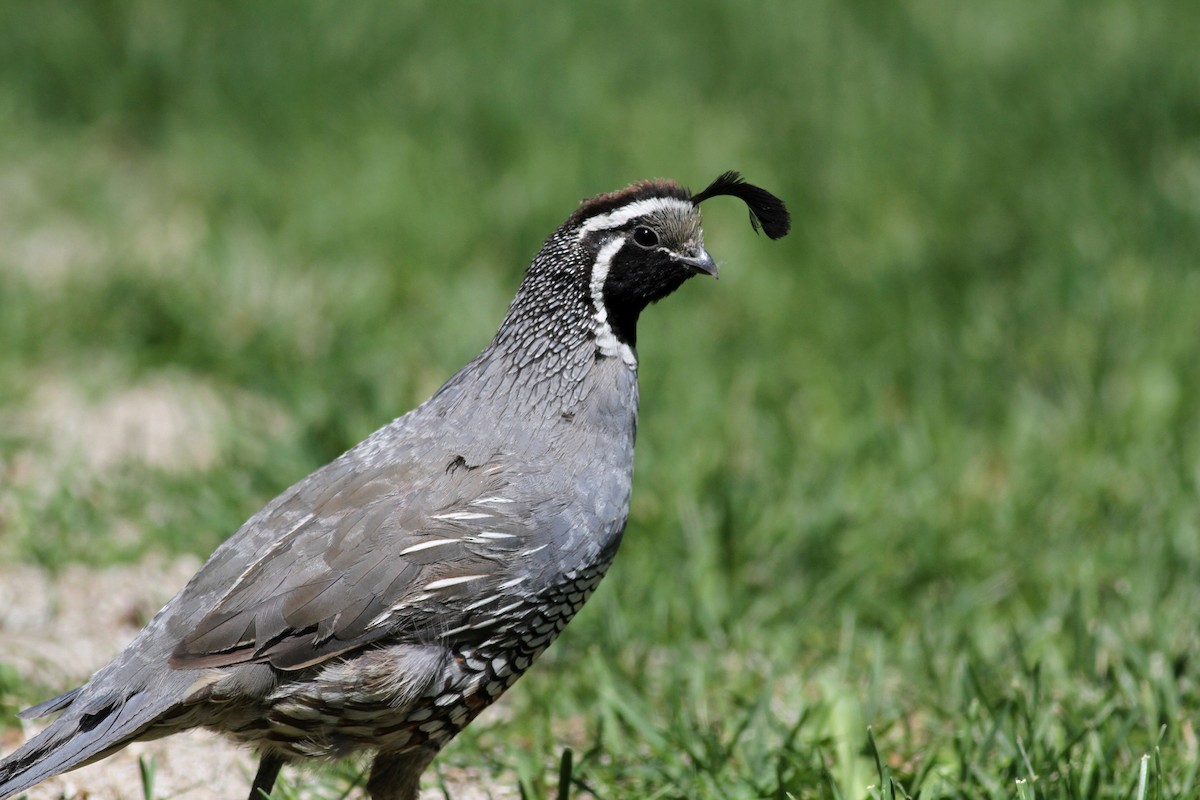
{"x": 606, "y": 341}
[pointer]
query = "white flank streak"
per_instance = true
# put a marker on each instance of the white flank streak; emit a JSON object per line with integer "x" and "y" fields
{"x": 446, "y": 583}
{"x": 606, "y": 340}
{"x": 533, "y": 550}
{"x": 416, "y": 548}
{"x": 379, "y": 620}
{"x": 496, "y": 535}
{"x": 481, "y": 603}
{"x": 495, "y": 499}
{"x": 486, "y": 623}
{"x": 510, "y": 584}
{"x": 461, "y": 516}
{"x": 500, "y": 612}
{"x": 638, "y": 208}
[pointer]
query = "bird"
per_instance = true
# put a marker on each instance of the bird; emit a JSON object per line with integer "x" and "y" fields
{"x": 382, "y": 602}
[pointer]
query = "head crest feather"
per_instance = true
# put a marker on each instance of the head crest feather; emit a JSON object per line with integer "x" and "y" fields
{"x": 766, "y": 210}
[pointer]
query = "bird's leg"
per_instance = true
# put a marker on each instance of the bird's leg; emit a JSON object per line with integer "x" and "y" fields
{"x": 264, "y": 779}
{"x": 397, "y": 776}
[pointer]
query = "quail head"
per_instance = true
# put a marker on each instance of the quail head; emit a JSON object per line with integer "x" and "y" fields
{"x": 383, "y": 601}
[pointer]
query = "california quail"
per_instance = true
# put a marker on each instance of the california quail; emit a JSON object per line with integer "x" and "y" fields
{"x": 386, "y": 599}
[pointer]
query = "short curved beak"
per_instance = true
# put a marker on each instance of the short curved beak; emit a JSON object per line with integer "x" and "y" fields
{"x": 701, "y": 261}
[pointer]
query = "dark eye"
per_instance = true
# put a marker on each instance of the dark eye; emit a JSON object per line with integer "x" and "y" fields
{"x": 644, "y": 237}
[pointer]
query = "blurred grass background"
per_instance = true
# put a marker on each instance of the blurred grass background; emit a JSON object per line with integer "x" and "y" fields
{"x": 926, "y": 468}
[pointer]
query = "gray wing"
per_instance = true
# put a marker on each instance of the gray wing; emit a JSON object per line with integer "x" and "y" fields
{"x": 357, "y": 555}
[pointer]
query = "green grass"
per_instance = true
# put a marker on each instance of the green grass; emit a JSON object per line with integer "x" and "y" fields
{"x": 916, "y": 504}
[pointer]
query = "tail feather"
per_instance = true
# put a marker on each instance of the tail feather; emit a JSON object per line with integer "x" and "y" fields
{"x": 51, "y": 705}
{"x": 75, "y": 739}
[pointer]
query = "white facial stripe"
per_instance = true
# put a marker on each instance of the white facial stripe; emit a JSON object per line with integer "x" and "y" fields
{"x": 638, "y": 208}
{"x": 606, "y": 340}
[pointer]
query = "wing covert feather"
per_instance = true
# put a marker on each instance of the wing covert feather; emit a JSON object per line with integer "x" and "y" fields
{"x": 357, "y": 553}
